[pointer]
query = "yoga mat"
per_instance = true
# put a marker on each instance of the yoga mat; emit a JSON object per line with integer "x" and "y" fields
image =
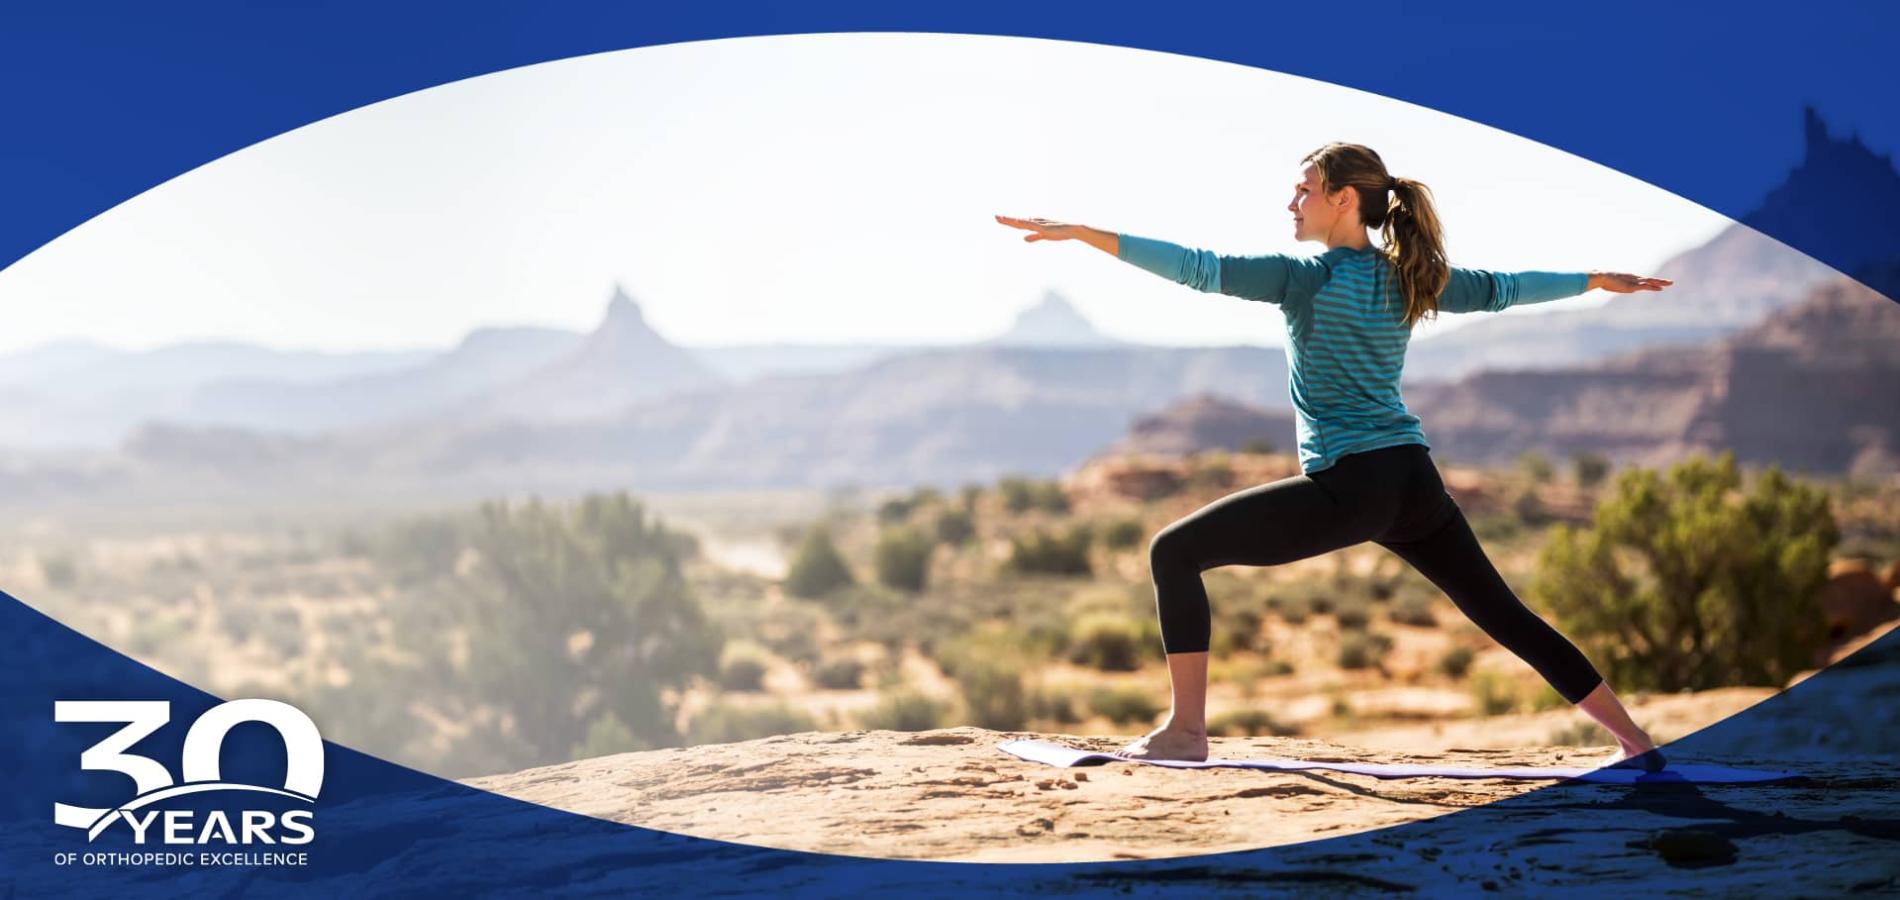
{"x": 1687, "y": 773}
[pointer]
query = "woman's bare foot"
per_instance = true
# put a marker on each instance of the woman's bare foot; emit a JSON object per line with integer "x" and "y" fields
{"x": 1168, "y": 742}
{"x": 1640, "y": 753}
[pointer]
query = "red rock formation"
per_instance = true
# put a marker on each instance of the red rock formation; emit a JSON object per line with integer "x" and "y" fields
{"x": 1814, "y": 387}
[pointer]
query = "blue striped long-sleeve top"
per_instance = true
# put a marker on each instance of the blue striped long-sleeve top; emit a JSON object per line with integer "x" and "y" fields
{"x": 1345, "y": 328}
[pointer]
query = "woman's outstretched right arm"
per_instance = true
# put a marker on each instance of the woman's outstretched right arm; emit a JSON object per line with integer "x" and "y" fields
{"x": 1273, "y": 278}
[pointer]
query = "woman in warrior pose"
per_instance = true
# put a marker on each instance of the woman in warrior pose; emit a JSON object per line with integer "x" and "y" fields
{"x": 1366, "y": 472}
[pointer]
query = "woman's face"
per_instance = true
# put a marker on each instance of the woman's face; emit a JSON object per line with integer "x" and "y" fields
{"x": 1313, "y": 214}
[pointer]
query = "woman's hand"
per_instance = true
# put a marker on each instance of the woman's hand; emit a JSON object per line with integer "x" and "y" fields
{"x": 1625, "y": 283}
{"x": 1050, "y": 230}
{"x": 1043, "y": 229}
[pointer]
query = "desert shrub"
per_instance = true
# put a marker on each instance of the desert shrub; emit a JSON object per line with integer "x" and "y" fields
{"x": 1122, "y": 534}
{"x": 1494, "y": 693}
{"x": 1124, "y": 705}
{"x": 1413, "y": 609}
{"x": 1050, "y": 497}
{"x": 993, "y": 692}
{"x": 537, "y": 575}
{"x": 840, "y": 673}
{"x": 1686, "y": 581}
{"x": 1248, "y": 723}
{"x": 788, "y": 629}
{"x": 1497, "y": 526}
{"x": 1212, "y": 470}
{"x": 895, "y": 511}
{"x": 817, "y": 568}
{"x": 1535, "y": 467}
{"x": 1024, "y": 494}
{"x": 1237, "y": 627}
{"x": 955, "y": 526}
{"x": 1110, "y": 642}
{"x": 725, "y": 723}
{"x": 902, "y": 559}
{"x": 1589, "y": 468}
{"x": 1363, "y": 649}
{"x": 419, "y": 549}
{"x": 742, "y": 666}
{"x": 906, "y": 709}
{"x": 1257, "y": 445}
{"x": 1352, "y": 614}
{"x": 1294, "y": 609}
{"x": 1545, "y": 697}
{"x": 1055, "y": 705}
{"x": 988, "y": 664}
{"x": 1456, "y": 661}
{"x": 1528, "y": 508}
{"x": 968, "y": 495}
{"x": 607, "y": 735}
{"x": 1048, "y": 553}
{"x": 1582, "y": 733}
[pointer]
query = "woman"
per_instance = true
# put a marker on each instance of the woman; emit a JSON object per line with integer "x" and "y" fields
{"x": 1366, "y": 474}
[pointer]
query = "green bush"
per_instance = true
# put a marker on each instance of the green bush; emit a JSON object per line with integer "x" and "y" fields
{"x": 789, "y": 629}
{"x": 742, "y": 667}
{"x": 1685, "y": 581}
{"x": 1535, "y": 467}
{"x": 606, "y": 736}
{"x": 1580, "y": 734}
{"x": 1590, "y": 468}
{"x": 1054, "y": 705}
{"x": 906, "y": 709}
{"x": 817, "y": 569}
{"x": 1293, "y": 609}
{"x": 1352, "y": 614}
{"x": 993, "y": 692}
{"x": 1046, "y": 553}
{"x": 1257, "y": 445}
{"x": 533, "y": 578}
{"x": 1248, "y": 723}
{"x": 1024, "y": 494}
{"x": 842, "y": 673}
{"x": 1529, "y": 509}
{"x": 955, "y": 526}
{"x": 1413, "y": 609}
{"x": 895, "y": 512}
{"x": 1456, "y": 661}
{"x": 1124, "y": 705}
{"x": 725, "y": 723}
{"x": 1122, "y": 534}
{"x": 1495, "y": 693}
{"x": 1110, "y": 642}
{"x": 902, "y": 559}
{"x": 1212, "y": 471}
{"x": 1363, "y": 649}
{"x": 1237, "y": 627}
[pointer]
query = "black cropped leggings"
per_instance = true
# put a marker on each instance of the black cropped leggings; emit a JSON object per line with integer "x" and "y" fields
{"x": 1392, "y": 496}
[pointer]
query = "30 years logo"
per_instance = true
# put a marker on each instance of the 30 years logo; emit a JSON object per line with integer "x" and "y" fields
{"x": 303, "y": 773}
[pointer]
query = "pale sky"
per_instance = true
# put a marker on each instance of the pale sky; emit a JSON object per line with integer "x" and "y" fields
{"x": 808, "y": 188}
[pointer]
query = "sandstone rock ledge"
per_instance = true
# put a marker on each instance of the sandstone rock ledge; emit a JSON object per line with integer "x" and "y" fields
{"x": 951, "y": 795}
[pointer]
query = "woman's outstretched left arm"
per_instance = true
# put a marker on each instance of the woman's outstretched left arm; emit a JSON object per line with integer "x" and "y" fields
{"x": 1480, "y": 290}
